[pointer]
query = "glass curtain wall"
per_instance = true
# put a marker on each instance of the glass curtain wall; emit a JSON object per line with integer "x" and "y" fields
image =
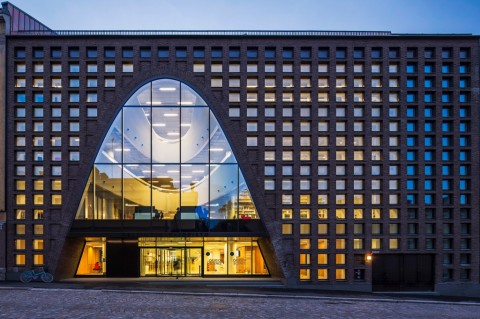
{"x": 165, "y": 156}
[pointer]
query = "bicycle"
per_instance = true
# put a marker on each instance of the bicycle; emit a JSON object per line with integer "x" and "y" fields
{"x": 29, "y": 275}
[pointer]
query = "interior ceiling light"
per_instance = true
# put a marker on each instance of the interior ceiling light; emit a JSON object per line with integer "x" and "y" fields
{"x": 170, "y": 114}
{"x": 158, "y": 124}
{"x": 167, "y": 89}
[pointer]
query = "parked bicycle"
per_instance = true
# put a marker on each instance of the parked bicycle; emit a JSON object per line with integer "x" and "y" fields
{"x": 29, "y": 275}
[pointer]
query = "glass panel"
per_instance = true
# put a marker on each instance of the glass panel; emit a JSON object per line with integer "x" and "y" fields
{"x": 170, "y": 262}
{"x": 108, "y": 191}
{"x": 111, "y": 150}
{"x": 137, "y": 191}
{"x": 141, "y": 97}
{"x": 85, "y": 211}
{"x": 259, "y": 267}
{"x": 165, "y": 189}
{"x": 214, "y": 260}
{"x": 136, "y": 135}
{"x": 190, "y": 97}
{"x": 165, "y": 92}
{"x": 246, "y": 206}
{"x": 220, "y": 150}
{"x": 239, "y": 258}
{"x": 194, "y": 195}
{"x": 165, "y": 135}
{"x": 148, "y": 262}
{"x": 223, "y": 191}
{"x": 194, "y": 135}
{"x": 193, "y": 261}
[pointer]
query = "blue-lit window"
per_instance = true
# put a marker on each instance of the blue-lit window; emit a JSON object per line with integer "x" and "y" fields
{"x": 463, "y": 170}
{"x": 464, "y": 200}
{"x": 446, "y": 83}
{"x": 446, "y": 97}
{"x": 446, "y": 112}
{"x": 305, "y": 53}
{"x": 20, "y": 53}
{"x": 446, "y": 156}
{"x": 428, "y": 97}
{"x": 463, "y": 156}
{"x": 234, "y": 53}
{"x": 198, "y": 53}
{"x": 217, "y": 52}
{"x": 463, "y": 98}
{"x": 270, "y": 53}
{"x": 127, "y": 53}
{"x": 181, "y": 53}
{"x": 376, "y": 53}
{"x": 446, "y": 68}
{"x": 429, "y": 183}
{"x": 341, "y": 53}
{"x": 411, "y": 97}
{"x": 358, "y": 53}
{"x": 56, "y": 53}
{"x": 74, "y": 53}
{"x": 428, "y": 83}
{"x": 429, "y": 199}
{"x": 411, "y": 170}
{"x": 429, "y": 126}
{"x": 394, "y": 53}
{"x": 92, "y": 53}
{"x": 163, "y": 52}
{"x": 446, "y": 127}
{"x": 411, "y": 199}
{"x": 428, "y": 68}
{"x": 446, "y": 170}
{"x": 38, "y": 53}
{"x": 411, "y": 141}
{"x": 464, "y": 127}
{"x": 463, "y": 68}
{"x": 287, "y": 53}
{"x": 411, "y": 112}
{"x": 446, "y": 184}
{"x": 252, "y": 53}
{"x": 109, "y": 53}
{"x": 21, "y": 98}
{"x": 463, "y": 185}
{"x": 429, "y": 141}
{"x": 446, "y": 141}
{"x": 411, "y": 184}
{"x": 464, "y": 141}
{"x": 428, "y": 112}
{"x": 429, "y": 170}
{"x": 411, "y": 83}
{"x": 429, "y": 155}
{"x": 464, "y": 53}
{"x": 464, "y": 112}
{"x": 411, "y": 126}
{"x": 323, "y": 53}
{"x": 411, "y": 68}
{"x": 38, "y": 97}
{"x": 411, "y": 156}
{"x": 145, "y": 52}
{"x": 463, "y": 83}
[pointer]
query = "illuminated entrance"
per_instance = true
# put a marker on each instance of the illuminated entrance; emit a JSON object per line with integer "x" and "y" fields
{"x": 177, "y": 257}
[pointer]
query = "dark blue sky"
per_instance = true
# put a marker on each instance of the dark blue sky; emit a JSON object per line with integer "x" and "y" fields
{"x": 398, "y": 16}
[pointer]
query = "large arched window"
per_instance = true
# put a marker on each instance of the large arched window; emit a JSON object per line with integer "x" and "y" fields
{"x": 165, "y": 156}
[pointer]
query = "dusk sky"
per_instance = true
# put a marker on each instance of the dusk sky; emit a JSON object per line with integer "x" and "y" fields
{"x": 398, "y": 16}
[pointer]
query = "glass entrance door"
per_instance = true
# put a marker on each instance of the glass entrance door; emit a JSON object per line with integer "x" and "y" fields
{"x": 170, "y": 261}
{"x": 193, "y": 261}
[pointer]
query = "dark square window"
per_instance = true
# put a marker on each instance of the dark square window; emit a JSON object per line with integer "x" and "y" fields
{"x": 145, "y": 52}
{"x": 358, "y": 53}
{"x": 92, "y": 53}
{"x": 20, "y": 53}
{"x": 394, "y": 53}
{"x": 429, "y": 53}
{"x": 252, "y": 53}
{"x": 447, "y": 53}
{"x": 234, "y": 53}
{"x": 109, "y": 53}
{"x": 38, "y": 53}
{"x": 181, "y": 52}
{"x": 464, "y": 53}
{"x": 270, "y": 53}
{"x": 305, "y": 53}
{"x": 217, "y": 52}
{"x": 56, "y": 53}
{"x": 376, "y": 53}
{"x": 199, "y": 53}
{"x": 74, "y": 53}
{"x": 323, "y": 53}
{"x": 287, "y": 53}
{"x": 163, "y": 52}
{"x": 411, "y": 53}
{"x": 341, "y": 53}
{"x": 127, "y": 53}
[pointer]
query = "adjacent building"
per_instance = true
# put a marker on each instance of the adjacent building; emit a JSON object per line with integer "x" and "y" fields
{"x": 330, "y": 160}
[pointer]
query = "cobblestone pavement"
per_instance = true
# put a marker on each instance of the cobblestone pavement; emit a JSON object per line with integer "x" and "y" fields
{"x": 18, "y": 302}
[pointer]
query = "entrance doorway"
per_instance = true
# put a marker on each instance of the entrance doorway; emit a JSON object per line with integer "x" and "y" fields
{"x": 171, "y": 261}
